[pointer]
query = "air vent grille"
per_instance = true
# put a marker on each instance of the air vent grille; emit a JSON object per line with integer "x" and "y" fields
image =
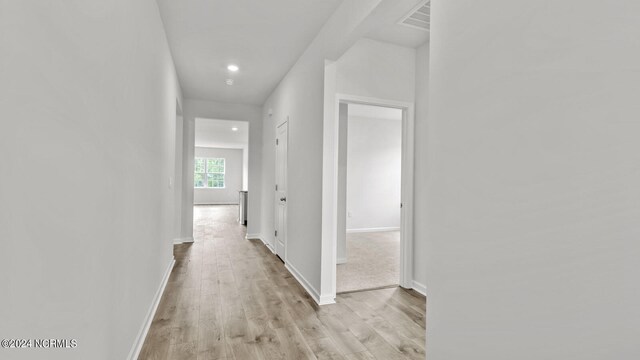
{"x": 419, "y": 17}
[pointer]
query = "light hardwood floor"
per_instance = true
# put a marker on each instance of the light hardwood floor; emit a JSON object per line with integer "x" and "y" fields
{"x": 231, "y": 298}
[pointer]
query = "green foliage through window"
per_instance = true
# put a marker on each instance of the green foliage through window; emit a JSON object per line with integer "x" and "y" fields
{"x": 209, "y": 173}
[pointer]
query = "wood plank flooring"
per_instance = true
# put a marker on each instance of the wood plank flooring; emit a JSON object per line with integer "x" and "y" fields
{"x": 231, "y": 299}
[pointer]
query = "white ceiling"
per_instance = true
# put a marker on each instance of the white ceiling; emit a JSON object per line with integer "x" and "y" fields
{"x": 218, "y": 134}
{"x": 264, "y": 38}
{"x": 374, "y": 112}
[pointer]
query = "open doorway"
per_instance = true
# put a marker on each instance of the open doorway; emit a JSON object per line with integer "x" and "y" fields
{"x": 335, "y": 190}
{"x": 369, "y": 197}
{"x": 220, "y": 171}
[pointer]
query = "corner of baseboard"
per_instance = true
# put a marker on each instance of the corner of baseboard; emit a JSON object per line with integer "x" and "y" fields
{"x": 259, "y": 237}
{"x": 341, "y": 260}
{"x": 306, "y": 285}
{"x": 183, "y": 240}
{"x": 418, "y": 287}
{"x": 327, "y": 300}
{"x": 142, "y": 334}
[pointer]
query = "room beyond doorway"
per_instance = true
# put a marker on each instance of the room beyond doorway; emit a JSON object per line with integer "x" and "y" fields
{"x": 374, "y": 262}
{"x": 369, "y": 197}
{"x": 221, "y": 161}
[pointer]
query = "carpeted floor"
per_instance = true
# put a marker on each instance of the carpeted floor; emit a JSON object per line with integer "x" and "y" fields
{"x": 373, "y": 260}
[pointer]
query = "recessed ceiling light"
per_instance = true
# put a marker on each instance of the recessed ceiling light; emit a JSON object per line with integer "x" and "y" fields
{"x": 233, "y": 68}
{"x": 234, "y": 129}
{"x": 229, "y": 81}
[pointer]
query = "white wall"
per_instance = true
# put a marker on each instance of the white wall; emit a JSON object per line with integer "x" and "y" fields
{"x": 178, "y": 177}
{"x": 370, "y": 69}
{"x": 533, "y": 181}
{"x": 420, "y": 205}
{"x": 234, "y": 166}
{"x": 300, "y": 97}
{"x": 213, "y": 110}
{"x": 378, "y": 70}
{"x": 343, "y": 133}
{"x": 374, "y": 159}
{"x": 88, "y": 96}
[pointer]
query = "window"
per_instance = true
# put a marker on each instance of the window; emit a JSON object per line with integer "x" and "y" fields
{"x": 209, "y": 173}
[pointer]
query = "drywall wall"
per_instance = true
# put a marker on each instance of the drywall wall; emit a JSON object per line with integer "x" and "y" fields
{"x": 343, "y": 133}
{"x": 234, "y": 164}
{"x": 300, "y": 98}
{"x": 374, "y": 159}
{"x": 213, "y": 110}
{"x": 378, "y": 70}
{"x": 178, "y": 177}
{"x": 533, "y": 181}
{"x": 88, "y": 96}
{"x": 369, "y": 69}
{"x": 420, "y": 170}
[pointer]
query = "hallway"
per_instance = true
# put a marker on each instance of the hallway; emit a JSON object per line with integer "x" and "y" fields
{"x": 229, "y": 298}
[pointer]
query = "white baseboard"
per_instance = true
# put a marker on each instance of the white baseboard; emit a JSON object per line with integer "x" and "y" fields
{"x": 217, "y": 203}
{"x": 341, "y": 261}
{"x": 273, "y": 251}
{"x": 259, "y": 237}
{"x": 183, "y": 240}
{"x": 308, "y": 287}
{"x": 421, "y": 288}
{"x": 142, "y": 334}
{"x": 327, "y": 300}
{"x": 365, "y": 230}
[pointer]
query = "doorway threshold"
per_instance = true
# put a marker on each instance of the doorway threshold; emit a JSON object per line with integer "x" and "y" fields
{"x": 368, "y": 289}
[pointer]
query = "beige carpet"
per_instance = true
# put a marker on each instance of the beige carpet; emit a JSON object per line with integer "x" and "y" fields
{"x": 373, "y": 260}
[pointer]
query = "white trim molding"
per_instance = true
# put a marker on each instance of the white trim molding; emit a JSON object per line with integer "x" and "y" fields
{"x": 259, "y": 237}
{"x": 330, "y": 184}
{"x": 183, "y": 240}
{"x": 215, "y": 203}
{"x": 421, "y": 288}
{"x": 324, "y": 300}
{"x": 367, "y": 230}
{"x": 142, "y": 334}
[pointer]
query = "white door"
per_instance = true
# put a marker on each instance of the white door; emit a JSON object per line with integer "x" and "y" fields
{"x": 281, "y": 189}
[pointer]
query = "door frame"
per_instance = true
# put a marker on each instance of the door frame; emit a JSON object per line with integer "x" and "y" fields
{"x": 330, "y": 192}
{"x": 286, "y": 210}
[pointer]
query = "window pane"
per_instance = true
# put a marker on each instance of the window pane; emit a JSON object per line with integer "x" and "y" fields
{"x": 215, "y": 165}
{"x": 199, "y": 165}
{"x": 215, "y": 183}
{"x": 215, "y": 176}
{"x": 210, "y": 164}
{"x": 215, "y": 180}
{"x": 198, "y": 180}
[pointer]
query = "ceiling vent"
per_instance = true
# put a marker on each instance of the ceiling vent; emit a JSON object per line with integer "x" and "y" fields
{"x": 419, "y": 17}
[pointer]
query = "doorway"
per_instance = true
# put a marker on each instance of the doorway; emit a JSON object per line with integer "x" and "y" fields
{"x": 333, "y": 212}
{"x": 369, "y": 197}
{"x": 282, "y": 141}
{"x": 220, "y": 178}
